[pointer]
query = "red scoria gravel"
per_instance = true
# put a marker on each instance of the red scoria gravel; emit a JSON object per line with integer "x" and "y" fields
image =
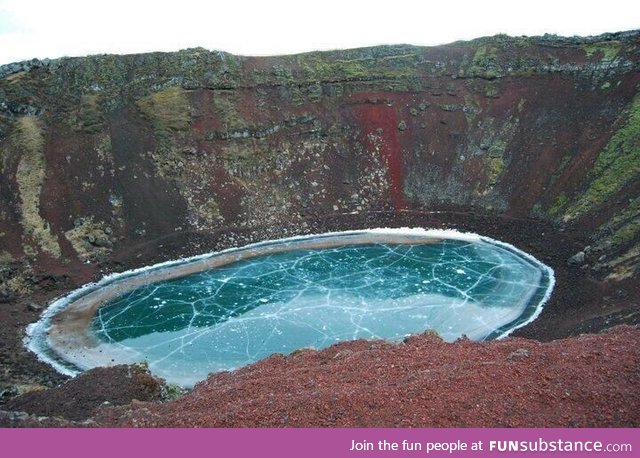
{"x": 585, "y": 381}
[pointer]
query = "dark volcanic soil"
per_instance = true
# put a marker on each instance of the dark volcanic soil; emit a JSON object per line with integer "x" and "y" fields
{"x": 79, "y": 398}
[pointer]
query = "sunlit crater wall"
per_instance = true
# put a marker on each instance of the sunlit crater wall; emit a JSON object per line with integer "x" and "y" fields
{"x": 108, "y": 155}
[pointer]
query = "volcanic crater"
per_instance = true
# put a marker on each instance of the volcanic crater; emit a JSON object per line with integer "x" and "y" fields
{"x": 110, "y": 163}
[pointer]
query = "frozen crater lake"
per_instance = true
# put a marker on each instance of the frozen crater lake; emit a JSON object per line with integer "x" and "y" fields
{"x": 221, "y": 311}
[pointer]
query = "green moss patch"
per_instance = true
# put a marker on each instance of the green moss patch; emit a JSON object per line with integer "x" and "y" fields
{"x": 485, "y": 63}
{"x": 617, "y": 165}
{"x": 623, "y": 228}
{"x": 605, "y": 51}
{"x": 558, "y": 204}
{"x": 168, "y": 110}
{"x": 225, "y": 107}
{"x": 372, "y": 68}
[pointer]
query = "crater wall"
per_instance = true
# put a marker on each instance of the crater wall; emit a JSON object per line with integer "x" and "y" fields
{"x": 104, "y": 157}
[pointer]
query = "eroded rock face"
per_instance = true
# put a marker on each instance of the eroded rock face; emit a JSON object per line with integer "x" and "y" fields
{"x": 80, "y": 398}
{"x": 154, "y": 145}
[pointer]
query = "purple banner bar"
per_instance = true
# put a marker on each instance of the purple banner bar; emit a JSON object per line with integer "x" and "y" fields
{"x": 318, "y": 443}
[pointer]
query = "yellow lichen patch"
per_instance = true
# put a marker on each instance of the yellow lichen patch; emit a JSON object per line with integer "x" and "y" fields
{"x": 242, "y": 151}
{"x": 625, "y": 265}
{"x": 16, "y": 76}
{"x": 5, "y": 257}
{"x": 206, "y": 213}
{"x": 225, "y": 107}
{"x": 24, "y": 388}
{"x": 168, "y": 162}
{"x": 167, "y": 109}
{"x": 28, "y": 142}
{"x": 103, "y": 149}
{"x": 16, "y": 285}
{"x": 244, "y": 184}
{"x": 494, "y": 168}
{"x": 88, "y": 239}
{"x": 493, "y": 151}
{"x": 170, "y": 115}
{"x": 605, "y": 51}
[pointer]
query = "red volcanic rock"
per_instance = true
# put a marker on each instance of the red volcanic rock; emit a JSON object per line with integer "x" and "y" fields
{"x": 585, "y": 381}
{"x": 80, "y": 397}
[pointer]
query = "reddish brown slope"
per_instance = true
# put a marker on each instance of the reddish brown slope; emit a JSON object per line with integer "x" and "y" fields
{"x": 586, "y": 381}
